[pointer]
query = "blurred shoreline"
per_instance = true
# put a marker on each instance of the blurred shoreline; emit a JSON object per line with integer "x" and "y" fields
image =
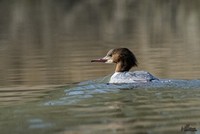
{"x": 52, "y": 42}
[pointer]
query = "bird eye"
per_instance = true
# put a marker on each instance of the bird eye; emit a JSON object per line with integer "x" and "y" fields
{"x": 110, "y": 55}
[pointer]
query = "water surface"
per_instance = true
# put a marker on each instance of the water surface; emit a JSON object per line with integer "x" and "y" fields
{"x": 47, "y": 46}
{"x": 100, "y": 108}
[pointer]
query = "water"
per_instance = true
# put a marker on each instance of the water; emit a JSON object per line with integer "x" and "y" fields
{"x": 100, "y": 108}
{"x": 46, "y": 48}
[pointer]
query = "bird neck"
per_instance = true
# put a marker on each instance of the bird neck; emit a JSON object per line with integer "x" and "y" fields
{"x": 121, "y": 67}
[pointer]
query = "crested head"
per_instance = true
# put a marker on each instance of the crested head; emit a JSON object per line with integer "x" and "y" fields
{"x": 123, "y": 57}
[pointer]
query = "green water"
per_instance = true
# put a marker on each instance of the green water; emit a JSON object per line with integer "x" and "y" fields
{"x": 46, "y": 46}
{"x": 122, "y": 111}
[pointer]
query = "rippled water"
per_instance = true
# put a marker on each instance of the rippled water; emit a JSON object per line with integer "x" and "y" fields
{"x": 99, "y": 108}
{"x": 45, "y": 53}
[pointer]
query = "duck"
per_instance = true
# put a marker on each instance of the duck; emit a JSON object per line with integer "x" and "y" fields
{"x": 125, "y": 60}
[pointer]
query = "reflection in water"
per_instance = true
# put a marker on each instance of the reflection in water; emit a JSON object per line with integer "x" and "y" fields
{"x": 14, "y": 96}
{"x": 108, "y": 110}
{"x": 52, "y": 42}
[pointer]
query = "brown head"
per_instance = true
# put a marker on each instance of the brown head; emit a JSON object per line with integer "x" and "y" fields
{"x": 123, "y": 57}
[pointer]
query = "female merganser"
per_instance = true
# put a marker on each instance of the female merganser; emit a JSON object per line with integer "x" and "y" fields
{"x": 125, "y": 60}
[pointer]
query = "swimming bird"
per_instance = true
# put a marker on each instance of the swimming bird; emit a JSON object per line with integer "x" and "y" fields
{"x": 125, "y": 60}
